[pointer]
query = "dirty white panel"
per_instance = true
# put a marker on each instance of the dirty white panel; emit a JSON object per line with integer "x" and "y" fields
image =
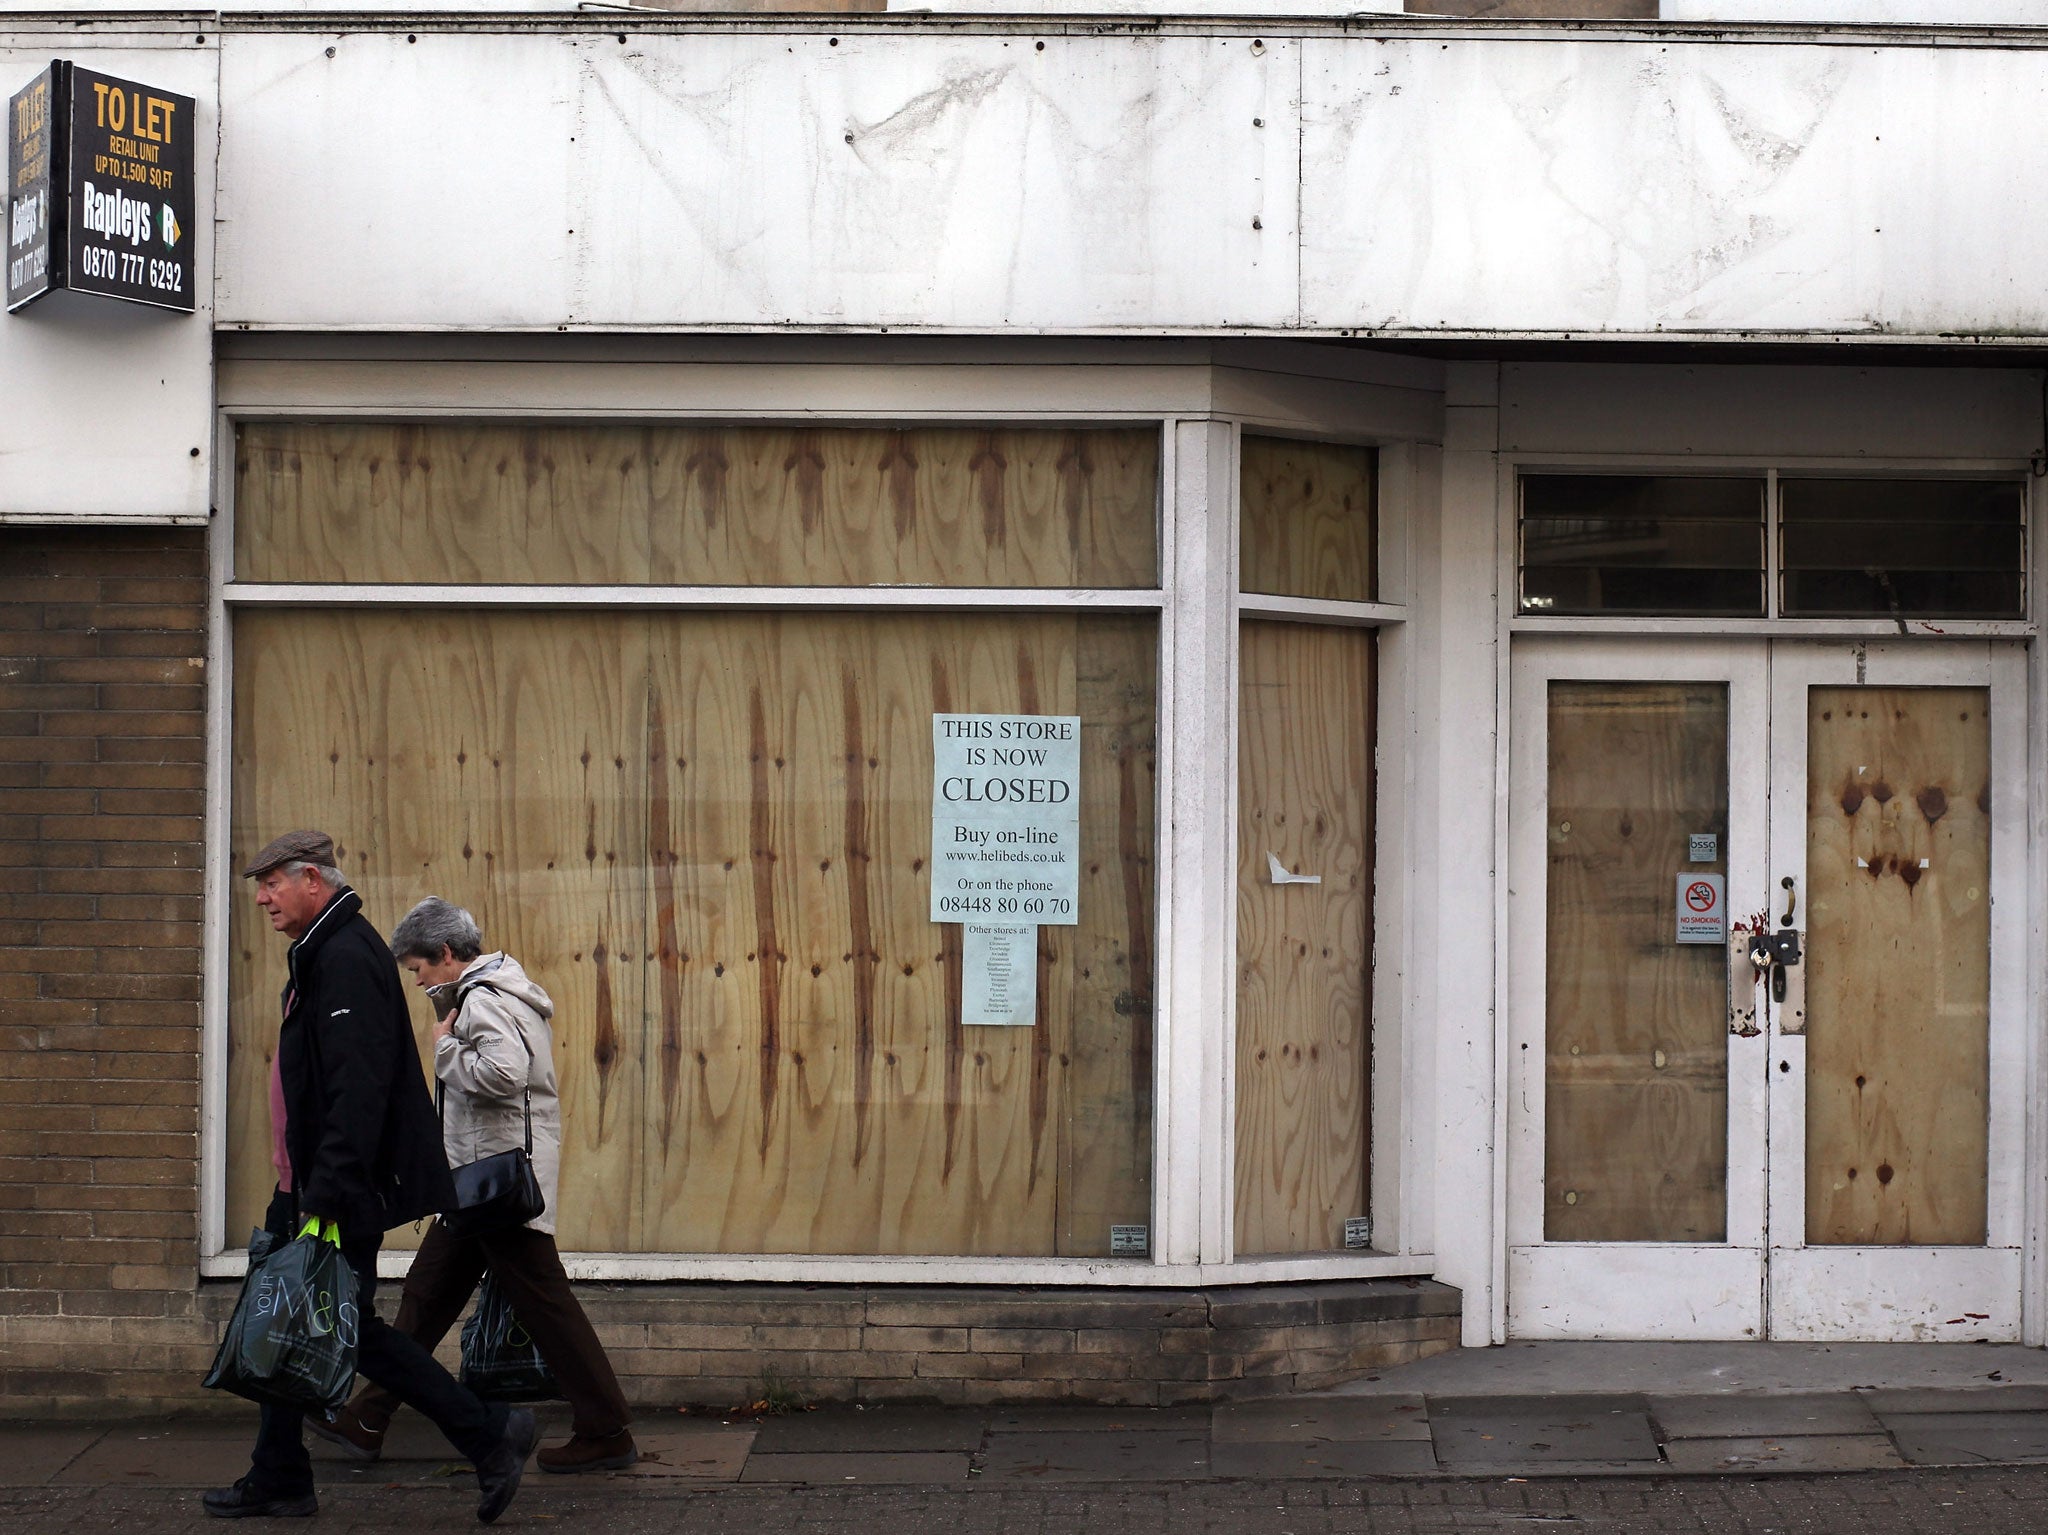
{"x": 1605, "y": 1290}
{"x": 1895, "y": 1294}
{"x": 789, "y": 177}
{"x": 103, "y": 403}
{"x": 1639, "y": 186}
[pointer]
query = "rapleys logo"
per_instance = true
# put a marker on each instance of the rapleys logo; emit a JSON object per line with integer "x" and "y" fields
{"x": 170, "y": 226}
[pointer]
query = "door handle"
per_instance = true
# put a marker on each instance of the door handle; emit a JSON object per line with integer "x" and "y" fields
{"x": 1791, "y": 890}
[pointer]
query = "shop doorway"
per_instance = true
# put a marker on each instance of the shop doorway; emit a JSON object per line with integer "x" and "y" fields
{"x": 1821, "y": 1140}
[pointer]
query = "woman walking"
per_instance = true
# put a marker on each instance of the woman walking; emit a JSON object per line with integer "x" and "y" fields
{"x": 492, "y": 1048}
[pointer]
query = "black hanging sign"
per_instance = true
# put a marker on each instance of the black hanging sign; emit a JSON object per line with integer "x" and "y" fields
{"x": 100, "y": 195}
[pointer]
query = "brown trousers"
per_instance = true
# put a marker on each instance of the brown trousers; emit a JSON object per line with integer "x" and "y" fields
{"x": 447, "y": 1270}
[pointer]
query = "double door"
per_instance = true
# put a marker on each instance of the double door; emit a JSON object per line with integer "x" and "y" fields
{"x": 1766, "y": 1051}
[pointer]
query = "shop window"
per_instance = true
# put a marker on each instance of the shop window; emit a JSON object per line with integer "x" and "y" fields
{"x": 667, "y": 504}
{"x": 1307, "y": 517}
{"x": 1642, "y": 544}
{"x": 707, "y": 834}
{"x": 1305, "y": 804}
{"x": 1868, "y": 548}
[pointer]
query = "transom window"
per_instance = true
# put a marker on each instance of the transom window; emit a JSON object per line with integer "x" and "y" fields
{"x": 1756, "y": 546}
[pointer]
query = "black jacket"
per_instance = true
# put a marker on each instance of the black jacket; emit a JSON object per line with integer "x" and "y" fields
{"x": 360, "y": 1130}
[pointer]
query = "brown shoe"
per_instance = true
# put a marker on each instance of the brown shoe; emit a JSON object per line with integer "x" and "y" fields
{"x": 614, "y": 1452}
{"x": 344, "y": 1428}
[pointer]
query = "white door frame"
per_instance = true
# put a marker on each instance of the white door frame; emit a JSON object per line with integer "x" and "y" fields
{"x": 1628, "y": 1289}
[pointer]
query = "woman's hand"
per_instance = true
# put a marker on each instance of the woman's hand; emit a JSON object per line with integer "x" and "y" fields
{"x": 443, "y": 1027}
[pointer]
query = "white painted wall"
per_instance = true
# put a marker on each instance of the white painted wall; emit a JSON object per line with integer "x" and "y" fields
{"x": 932, "y": 176}
{"x": 103, "y": 403}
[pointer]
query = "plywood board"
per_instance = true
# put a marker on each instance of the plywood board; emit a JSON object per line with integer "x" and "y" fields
{"x": 1635, "y": 1064}
{"x": 494, "y": 760}
{"x": 1898, "y": 864}
{"x": 815, "y": 1089}
{"x": 1307, "y": 518}
{"x": 675, "y": 504}
{"x": 1305, "y": 734}
{"x": 706, "y": 836}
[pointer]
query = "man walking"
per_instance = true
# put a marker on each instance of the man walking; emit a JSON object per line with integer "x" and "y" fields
{"x": 359, "y": 1146}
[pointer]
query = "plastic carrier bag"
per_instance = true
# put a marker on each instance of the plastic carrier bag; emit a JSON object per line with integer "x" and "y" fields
{"x": 292, "y": 1339}
{"x": 500, "y": 1360}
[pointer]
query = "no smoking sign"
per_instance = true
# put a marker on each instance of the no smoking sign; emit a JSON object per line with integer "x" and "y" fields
{"x": 1702, "y": 908}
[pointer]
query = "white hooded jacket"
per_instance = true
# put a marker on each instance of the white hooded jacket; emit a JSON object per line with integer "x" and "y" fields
{"x": 499, "y": 1045}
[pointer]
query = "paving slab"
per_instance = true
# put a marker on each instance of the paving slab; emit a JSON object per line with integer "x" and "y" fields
{"x": 1074, "y": 1419}
{"x": 1789, "y": 1452}
{"x": 1352, "y": 1419}
{"x": 160, "y": 1458}
{"x": 1723, "y": 1417}
{"x": 1554, "y": 1435}
{"x": 1987, "y": 1398}
{"x": 707, "y": 1453}
{"x": 1329, "y": 1457}
{"x": 1103, "y": 1455}
{"x": 856, "y": 1469}
{"x": 872, "y": 1429}
{"x": 1968, "y": 1438}
{"x": 29, "y": 1457}
{"x": 1674, "y": 1369}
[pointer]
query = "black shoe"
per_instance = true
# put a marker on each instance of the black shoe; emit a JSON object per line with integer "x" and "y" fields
{"x": 245, "y": 1500}
{"x": 497, "y": 1474}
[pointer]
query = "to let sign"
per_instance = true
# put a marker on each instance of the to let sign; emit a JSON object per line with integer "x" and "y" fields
{"x": 100, "y": 189}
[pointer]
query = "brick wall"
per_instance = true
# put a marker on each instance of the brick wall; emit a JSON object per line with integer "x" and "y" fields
{"x": 102, "y": 774}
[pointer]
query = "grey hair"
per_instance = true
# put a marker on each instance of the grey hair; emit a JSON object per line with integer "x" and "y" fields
{"x": 434, "y": 925}
{"x": 327, "y": 874}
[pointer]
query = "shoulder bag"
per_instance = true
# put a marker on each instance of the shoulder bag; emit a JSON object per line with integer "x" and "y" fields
{"x": 499, "y": 1191}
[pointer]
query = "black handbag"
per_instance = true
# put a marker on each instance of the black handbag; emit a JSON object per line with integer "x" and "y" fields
{"x": 496, "y": 1192}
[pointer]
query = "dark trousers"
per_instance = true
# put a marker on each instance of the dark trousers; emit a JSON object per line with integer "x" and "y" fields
{"x": 529, "y": 1270}
{"x": 392, "y": 1359}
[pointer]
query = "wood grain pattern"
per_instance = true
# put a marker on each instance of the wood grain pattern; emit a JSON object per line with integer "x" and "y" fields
{"x": 706, "y": 835}
{"x": 486, "y": 758}
{"x": 1308, "y": 519}
{"x": 1305, "y": 733}
{"x": 825, "y": 1096}
{"x": 1636, "y": 1075}
{"x": 1898, "y": 864}
{"x": 696, "y": 505}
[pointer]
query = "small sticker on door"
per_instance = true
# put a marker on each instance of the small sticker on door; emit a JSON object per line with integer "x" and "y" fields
{"x": 1703, "y": 846}
{"x": 1702, "y": 909}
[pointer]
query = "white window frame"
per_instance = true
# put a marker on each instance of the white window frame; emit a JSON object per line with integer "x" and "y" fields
{"x": 1197, "y": 605}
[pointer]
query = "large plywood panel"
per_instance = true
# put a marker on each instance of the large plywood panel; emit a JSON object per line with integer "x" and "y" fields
{"x": 1305, "y": 734}
{"x": 1635, "y": 1068}
{"x": 496, "y": 760}
{"x": 815, "y": 1090}
{"x": 1898, "y": 870}
{"x": 698, "y": 505}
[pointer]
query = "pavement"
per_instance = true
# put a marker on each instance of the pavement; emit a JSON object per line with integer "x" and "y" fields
{"x": 1647, "y": 1437}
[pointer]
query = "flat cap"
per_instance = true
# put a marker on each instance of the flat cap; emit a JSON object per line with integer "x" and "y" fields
{"x": 292, "y": 847}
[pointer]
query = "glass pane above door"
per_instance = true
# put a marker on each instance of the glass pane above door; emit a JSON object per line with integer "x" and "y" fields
{"x": 1636, "y": 1056}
